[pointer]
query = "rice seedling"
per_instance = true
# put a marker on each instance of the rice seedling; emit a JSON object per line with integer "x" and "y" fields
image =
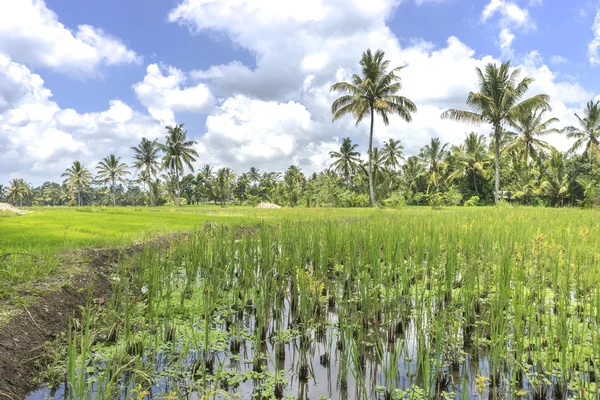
{"x": 445, "y": 304}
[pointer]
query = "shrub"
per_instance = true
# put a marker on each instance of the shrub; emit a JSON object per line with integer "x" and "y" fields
{"x": 472, "y": 202}
{"x": 395, "y": 200}
{"x": 452, "y": 197}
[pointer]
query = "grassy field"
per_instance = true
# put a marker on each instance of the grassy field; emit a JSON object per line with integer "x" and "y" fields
{"x": 41, "y": 243}
{"x": 410, "y": 303}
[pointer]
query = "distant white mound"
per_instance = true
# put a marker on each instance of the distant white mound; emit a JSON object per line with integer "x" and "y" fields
{"x": 267, "y": 205}
{"x": 8, "y": 207}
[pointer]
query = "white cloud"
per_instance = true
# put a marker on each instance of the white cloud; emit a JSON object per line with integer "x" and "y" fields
{"x": 510, "y": 14}
{"x": 559, "y": 59}
{"x": 164, "y": 95}
{"x": 506, "y": 38}
{"x": 38, "y": 139}
{"x": 31, "y": 34}
{"x": 595, "y": 43}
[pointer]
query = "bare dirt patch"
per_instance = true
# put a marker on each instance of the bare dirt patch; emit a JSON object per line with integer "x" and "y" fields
{"x": 268, "y": 205}
{"x": 9, "y": 208}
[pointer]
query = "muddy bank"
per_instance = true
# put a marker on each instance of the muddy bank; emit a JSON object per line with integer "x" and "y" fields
{"x": 23, "y": 339}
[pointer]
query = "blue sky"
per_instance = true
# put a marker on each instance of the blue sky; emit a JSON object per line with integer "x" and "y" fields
{"x": 250, "y": 78}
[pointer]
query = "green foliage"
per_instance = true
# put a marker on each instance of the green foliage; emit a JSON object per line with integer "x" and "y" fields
{"x": 472, "y": 202}
{"x": 452, "y": 197}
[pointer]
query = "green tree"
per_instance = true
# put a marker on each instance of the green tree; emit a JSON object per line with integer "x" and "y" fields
{"x": 528, "y": 126}
{"x": 346, "y": 159}
{"x": 2, "y": 192}
{"x": 587, "y": 134}
{"x": 471, "y": 159}
{"x": 18, "y": 190}
{"x": 111, "y": 169}
{"x": 499, "y": 101}
{"x": 433, "y": 155}
{"x": 222, "y": 184}
{"x": 53, "y": 192}
{"x": 146, "y": 159}
{"x": 77, "y": 176}
{"x": 375, "y": 92}
{"x": 293, "y": 181}
{"x": 392, "y": 154}
{"x": 555, "y": 180}
{"x": 178, "y": 153}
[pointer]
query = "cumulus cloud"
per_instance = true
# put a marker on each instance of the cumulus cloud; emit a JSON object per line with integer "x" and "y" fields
{"x": 38, "y": 139}
{"x": 595, "y": 43}
{"x": 509, "y": 13}
{"x": 32, "y": 35}
{"x": 165, "y": 94}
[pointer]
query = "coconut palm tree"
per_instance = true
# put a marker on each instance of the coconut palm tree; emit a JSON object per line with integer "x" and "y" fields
{"x": 587, "y": 135}
{"x": 528, "y": 126}
{"x": 555, "y": 179}
{"x": 499, "y": 101}
{"x": 375, "y": 92}
{"x": 17, "y": 191}
{"x": 434, "y": 155}
{"x": 222, "y": 184}
{"x": 471, "y": 158}
{"x": 2, "y": 192}
{"x": 178, "y": 153}
{"x": 53, "y": 192}
{"x": 346, "y": 159}
{"x": 254, "y": 175}
{"x": 146, "y": 158}
{"x": 412, "y": 172}
{"x": 77, "y": 176}
{"x": 111, "y": 169}
{"x": 293, "y": 180}
{"x": 392, "y": 154}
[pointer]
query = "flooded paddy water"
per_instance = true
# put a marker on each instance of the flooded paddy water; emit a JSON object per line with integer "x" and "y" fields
{"x": 440, "y": 305}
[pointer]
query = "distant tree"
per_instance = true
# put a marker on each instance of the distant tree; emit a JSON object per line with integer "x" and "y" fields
{"x": 222, "y": 184}
{"x": 18, "y": 190}
{"x": 111, "y": 170}
{"x": 178, "y": 153}
{"x": 77, "y": 176}
{"x": 375, "y": 92}
{"x": 434, "y": 154}
{"x": 555, "y": 180}
{"x": 293, "y": 181}
{"x": 392, "y": 154}
{"x": 499, "y": 101}
{"x": 146, "y": 159}
{"x": 471, "y": 159}
{"x": 2, "y": 192}
{"x": 346, "y": 159}
{"x": 587, "y": 134}
{"x": 53, "y": 192}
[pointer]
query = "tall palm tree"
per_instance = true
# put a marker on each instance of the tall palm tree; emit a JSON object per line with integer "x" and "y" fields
{"x": 346, "y": 159}
{"x": 2, "y": 192}
{"x": 412, "y": 172}
{"x": 471, "y": 158}
{"x": 146, "y": 158}
{"x": 392, "y": 154}
{"x": 587, "y": 135}
{"x": 375, "y": 92}
{"x": 254, "y": 174}
{"x": 111, "y": 169}
{"x": 178, "y": 153}
{"x": 499, "y": 101}
{"x": 77, "y": 176}
{"x": 293, "y": 180}
{"x": 434, "y": 155}
{"x": 17, "y": 191}
{"x": 528, "y": 126}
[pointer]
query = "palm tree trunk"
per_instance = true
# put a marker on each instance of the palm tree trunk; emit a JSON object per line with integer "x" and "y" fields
{"x": 79, "y": 197}
{"x": 497, "y": 162}
{"x": 475, "y": 183}
{"x": 112, "y": 189}
{"x": 149, "y": 187}
{"x": 371, "y": 192}
{"x": 178, "y": 191}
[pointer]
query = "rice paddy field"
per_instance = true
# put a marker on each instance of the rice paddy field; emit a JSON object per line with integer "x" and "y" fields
{"x": 414, "y": 303}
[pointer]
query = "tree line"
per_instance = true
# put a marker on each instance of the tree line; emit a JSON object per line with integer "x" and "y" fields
{"x": 516, "y": 165}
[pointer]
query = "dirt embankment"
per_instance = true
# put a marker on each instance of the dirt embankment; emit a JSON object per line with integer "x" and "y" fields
{"x": 9, "y": 208}
{"x": 23, "y": 338}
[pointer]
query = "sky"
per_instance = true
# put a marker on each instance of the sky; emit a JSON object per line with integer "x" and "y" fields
{"x": 250, "y": 79}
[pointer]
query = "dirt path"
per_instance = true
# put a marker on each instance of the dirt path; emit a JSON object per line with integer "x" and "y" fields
{"x": 23, "y": 338}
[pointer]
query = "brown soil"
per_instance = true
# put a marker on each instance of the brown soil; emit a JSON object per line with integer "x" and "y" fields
{"x": 268, "y": 205}
{"x": 23, "y": 338}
